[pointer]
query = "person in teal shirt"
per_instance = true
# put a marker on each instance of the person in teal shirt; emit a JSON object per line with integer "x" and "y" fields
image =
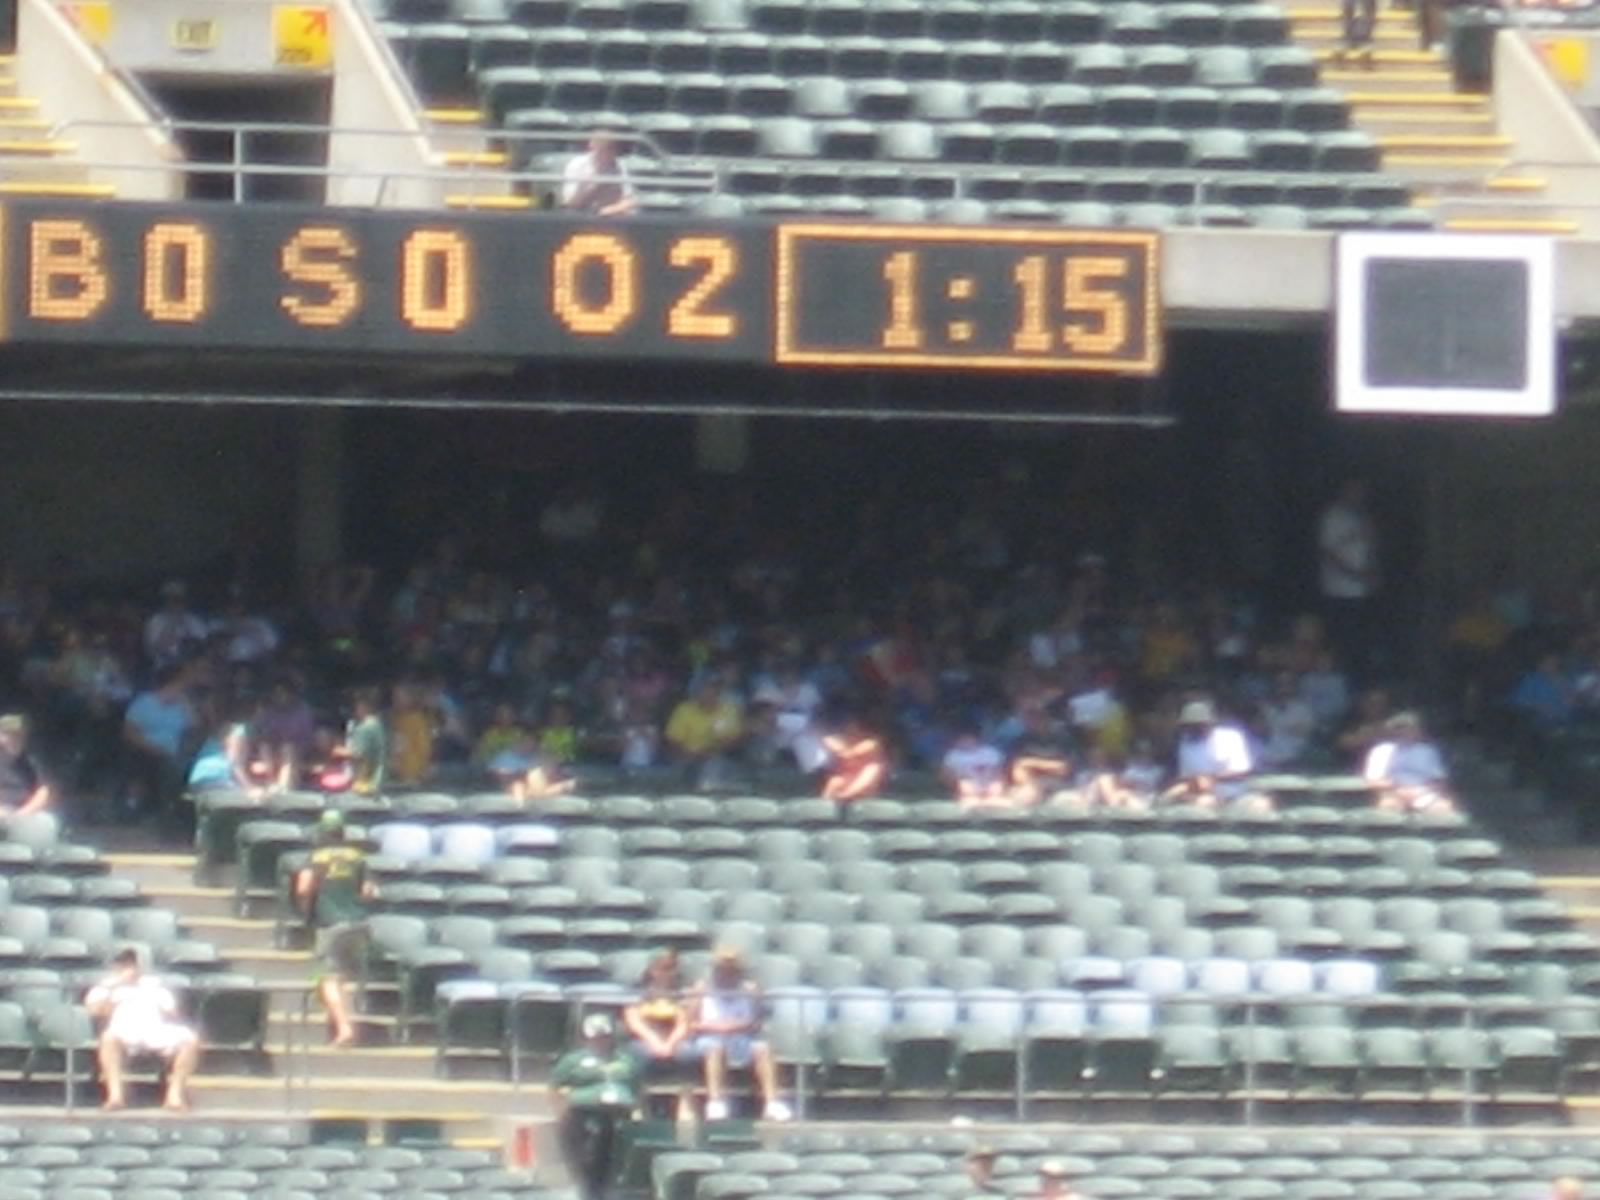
{"x": 598, "y": 1082}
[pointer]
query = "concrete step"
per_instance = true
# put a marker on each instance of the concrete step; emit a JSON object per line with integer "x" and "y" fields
{"x": 1313, "y": 32}
{"x": 1317, "y": 12}
{"x": 475, "y": 158}
{"x": 1441, "y": 169}
{"x": 1363, "y": 99}
{"x": 1384, "y": 123}
{"x": 469, "y": 1107}
{"x": 1390, "y": 81}
{"x": 1381, "y": 56}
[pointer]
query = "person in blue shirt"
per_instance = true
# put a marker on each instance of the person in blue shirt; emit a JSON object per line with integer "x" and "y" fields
{"x": 155, "y": 737}
{"x": 223, "y": 761}
{"x": 1544, "y": 694}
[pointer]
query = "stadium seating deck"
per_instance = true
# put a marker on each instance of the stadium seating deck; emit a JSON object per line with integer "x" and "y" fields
{"x": 922, "y": 950}
{"x": 1029, "y": 110}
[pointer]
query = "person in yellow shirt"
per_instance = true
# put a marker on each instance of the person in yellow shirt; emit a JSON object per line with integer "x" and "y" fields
{"x": 411, "y": 728}
{"x": 704, "y": 729}
{"x": 504, "y": 733}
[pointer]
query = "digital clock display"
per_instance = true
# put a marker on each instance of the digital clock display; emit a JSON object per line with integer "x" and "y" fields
{"x": 1002, "y": 298}
{"x": 560, "y": 286}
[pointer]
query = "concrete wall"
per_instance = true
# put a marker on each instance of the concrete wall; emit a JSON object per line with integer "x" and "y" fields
{"x": 371, "y": 94}
{"x": 135, "y": 489}
{"x": 73, "y": 83}
{"x": 1546, "y": 127}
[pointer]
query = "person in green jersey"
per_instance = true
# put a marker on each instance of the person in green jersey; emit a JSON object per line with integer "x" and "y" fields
{"x": 598, "y": 1082}
{"x": 366, "y": 745}
{"x": 332, "y": 890}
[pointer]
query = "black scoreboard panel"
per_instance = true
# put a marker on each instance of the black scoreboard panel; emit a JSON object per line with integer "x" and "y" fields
{"x": 1007, "y": 298}
{"x": 557, "y": 287}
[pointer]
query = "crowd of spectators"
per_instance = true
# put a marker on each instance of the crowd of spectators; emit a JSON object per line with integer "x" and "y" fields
{"x": 1011, "y": 667}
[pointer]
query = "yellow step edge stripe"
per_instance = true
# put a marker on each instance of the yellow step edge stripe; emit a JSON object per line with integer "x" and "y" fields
{"x": 488, "y": 202}
{"x": 27, "y": 102}
{"x": 454, "y": 116}
{"x": 1419, "y": 99}
{"x": 1488, "y": 162}
{"x": 1408, "y": 76}
{"x": 1569, "y": 881}
{"x": 1517, "y": 184}
{"x": 130, "y": 859}
{"x": 1453, "y": 141}
{"x": 475, "y": 158}
{"x": 38, "y": 188}
{"x": 1432, "y": 117}
{"x": 36, "y": 146}
{"x": 1509, "y": 225}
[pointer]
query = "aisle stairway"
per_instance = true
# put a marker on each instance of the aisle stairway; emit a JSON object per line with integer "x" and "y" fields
{"x": 33, "y": 161}
{"x": 298, "y": 1074}
{"x": 1440, "y": 139}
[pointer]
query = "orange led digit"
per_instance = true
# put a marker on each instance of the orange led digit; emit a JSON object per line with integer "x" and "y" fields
{"x": 622, "y": 285}
{"x": 688, "y": 317}
{"x": 904, "y": 330}
{"x": 316, "y": 256}
{"x": 427, "y": 256}
{"x": 176, "y": 291}
{"x": 1032, "y": 335}
{"x": 65, "y": 279}
{"x": 1108, "y": 306}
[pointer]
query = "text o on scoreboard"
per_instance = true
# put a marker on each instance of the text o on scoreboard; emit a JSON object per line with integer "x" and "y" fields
{"x": 563, "y": 286}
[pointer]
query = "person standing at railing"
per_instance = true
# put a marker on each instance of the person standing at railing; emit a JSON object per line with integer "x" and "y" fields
{"x": 597, "y": 182}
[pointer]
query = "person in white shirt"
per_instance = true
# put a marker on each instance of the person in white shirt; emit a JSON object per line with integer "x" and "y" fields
{"x": 596, "y": 181}
{"x": 173, "y": 629}
{"x": 974, "y": 771}
{"x": 1349, "y": 574}
{"x": 1214, "y": 762}
{"x": 140, "y": 1016}
{"x": 1406, "y": 770}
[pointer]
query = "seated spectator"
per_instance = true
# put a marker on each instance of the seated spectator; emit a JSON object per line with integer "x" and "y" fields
{"x": 1134, "y": 784}
{"x": 504, "y": 733}
{"x": 543, "y": 778}
{"x": 559, "y": 737}
{"x": 704, "y": 730}
{"x": 795, "y": 703}
{"x": 659, "y": 1018}
{"x": 23, "y": 787}
{"x": 1407, "y": 771}
{"x": 597, "y": 182}
{"x": 1039, "y": 765}
{"x": 411, "y": 728}
{"x": 1544, "y": 695}
{"x": 365, "y": 749}
{"x": 974, "y": 771}
{"x": 1053, "y": 1183}
{"x": 1325, "y": 689}
{"x": 1369, "y": 725}
{"x": 174, "y": 629}
{"x": 727, "y": 1025}
{"x": 223, "y": 761}
{"x": 859, "y": 764}
{"x": 284, "y": 735}
{"x": 1289, "y": 724}
{"x": 155, "y": 733}
{"x": 246, "y": 637}
{"x": 140, "y": 1016}
{"x": 980, "y": 1171}
{"x": 1214, "y": 762}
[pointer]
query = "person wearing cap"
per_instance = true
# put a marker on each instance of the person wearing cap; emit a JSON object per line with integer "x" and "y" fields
{"x": 1214, "y": 761}
{"x": 1053, "y": 1183}
{"x": 727, "y": 1024}
{"x": 980, "y": 1171}
{"x": 332, "y": 890}
{"x": 139, "y": 1015}
{"x": 598, "y": 1085}
{"x": 23, "y": 788}
{"x": 1406, "y": 771}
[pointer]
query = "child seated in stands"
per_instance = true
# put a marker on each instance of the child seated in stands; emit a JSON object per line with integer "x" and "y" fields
{"x": 974, "y": 771}
{"x": 1407, "y": 771}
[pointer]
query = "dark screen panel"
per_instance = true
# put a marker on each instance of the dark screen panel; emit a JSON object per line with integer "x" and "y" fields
{"x": 1447, "y": 323}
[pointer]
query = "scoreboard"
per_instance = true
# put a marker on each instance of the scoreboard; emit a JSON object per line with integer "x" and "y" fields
{"x": 547, "y": 286}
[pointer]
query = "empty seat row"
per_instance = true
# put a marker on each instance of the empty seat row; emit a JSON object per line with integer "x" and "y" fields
{"x": 591, "y": 98}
